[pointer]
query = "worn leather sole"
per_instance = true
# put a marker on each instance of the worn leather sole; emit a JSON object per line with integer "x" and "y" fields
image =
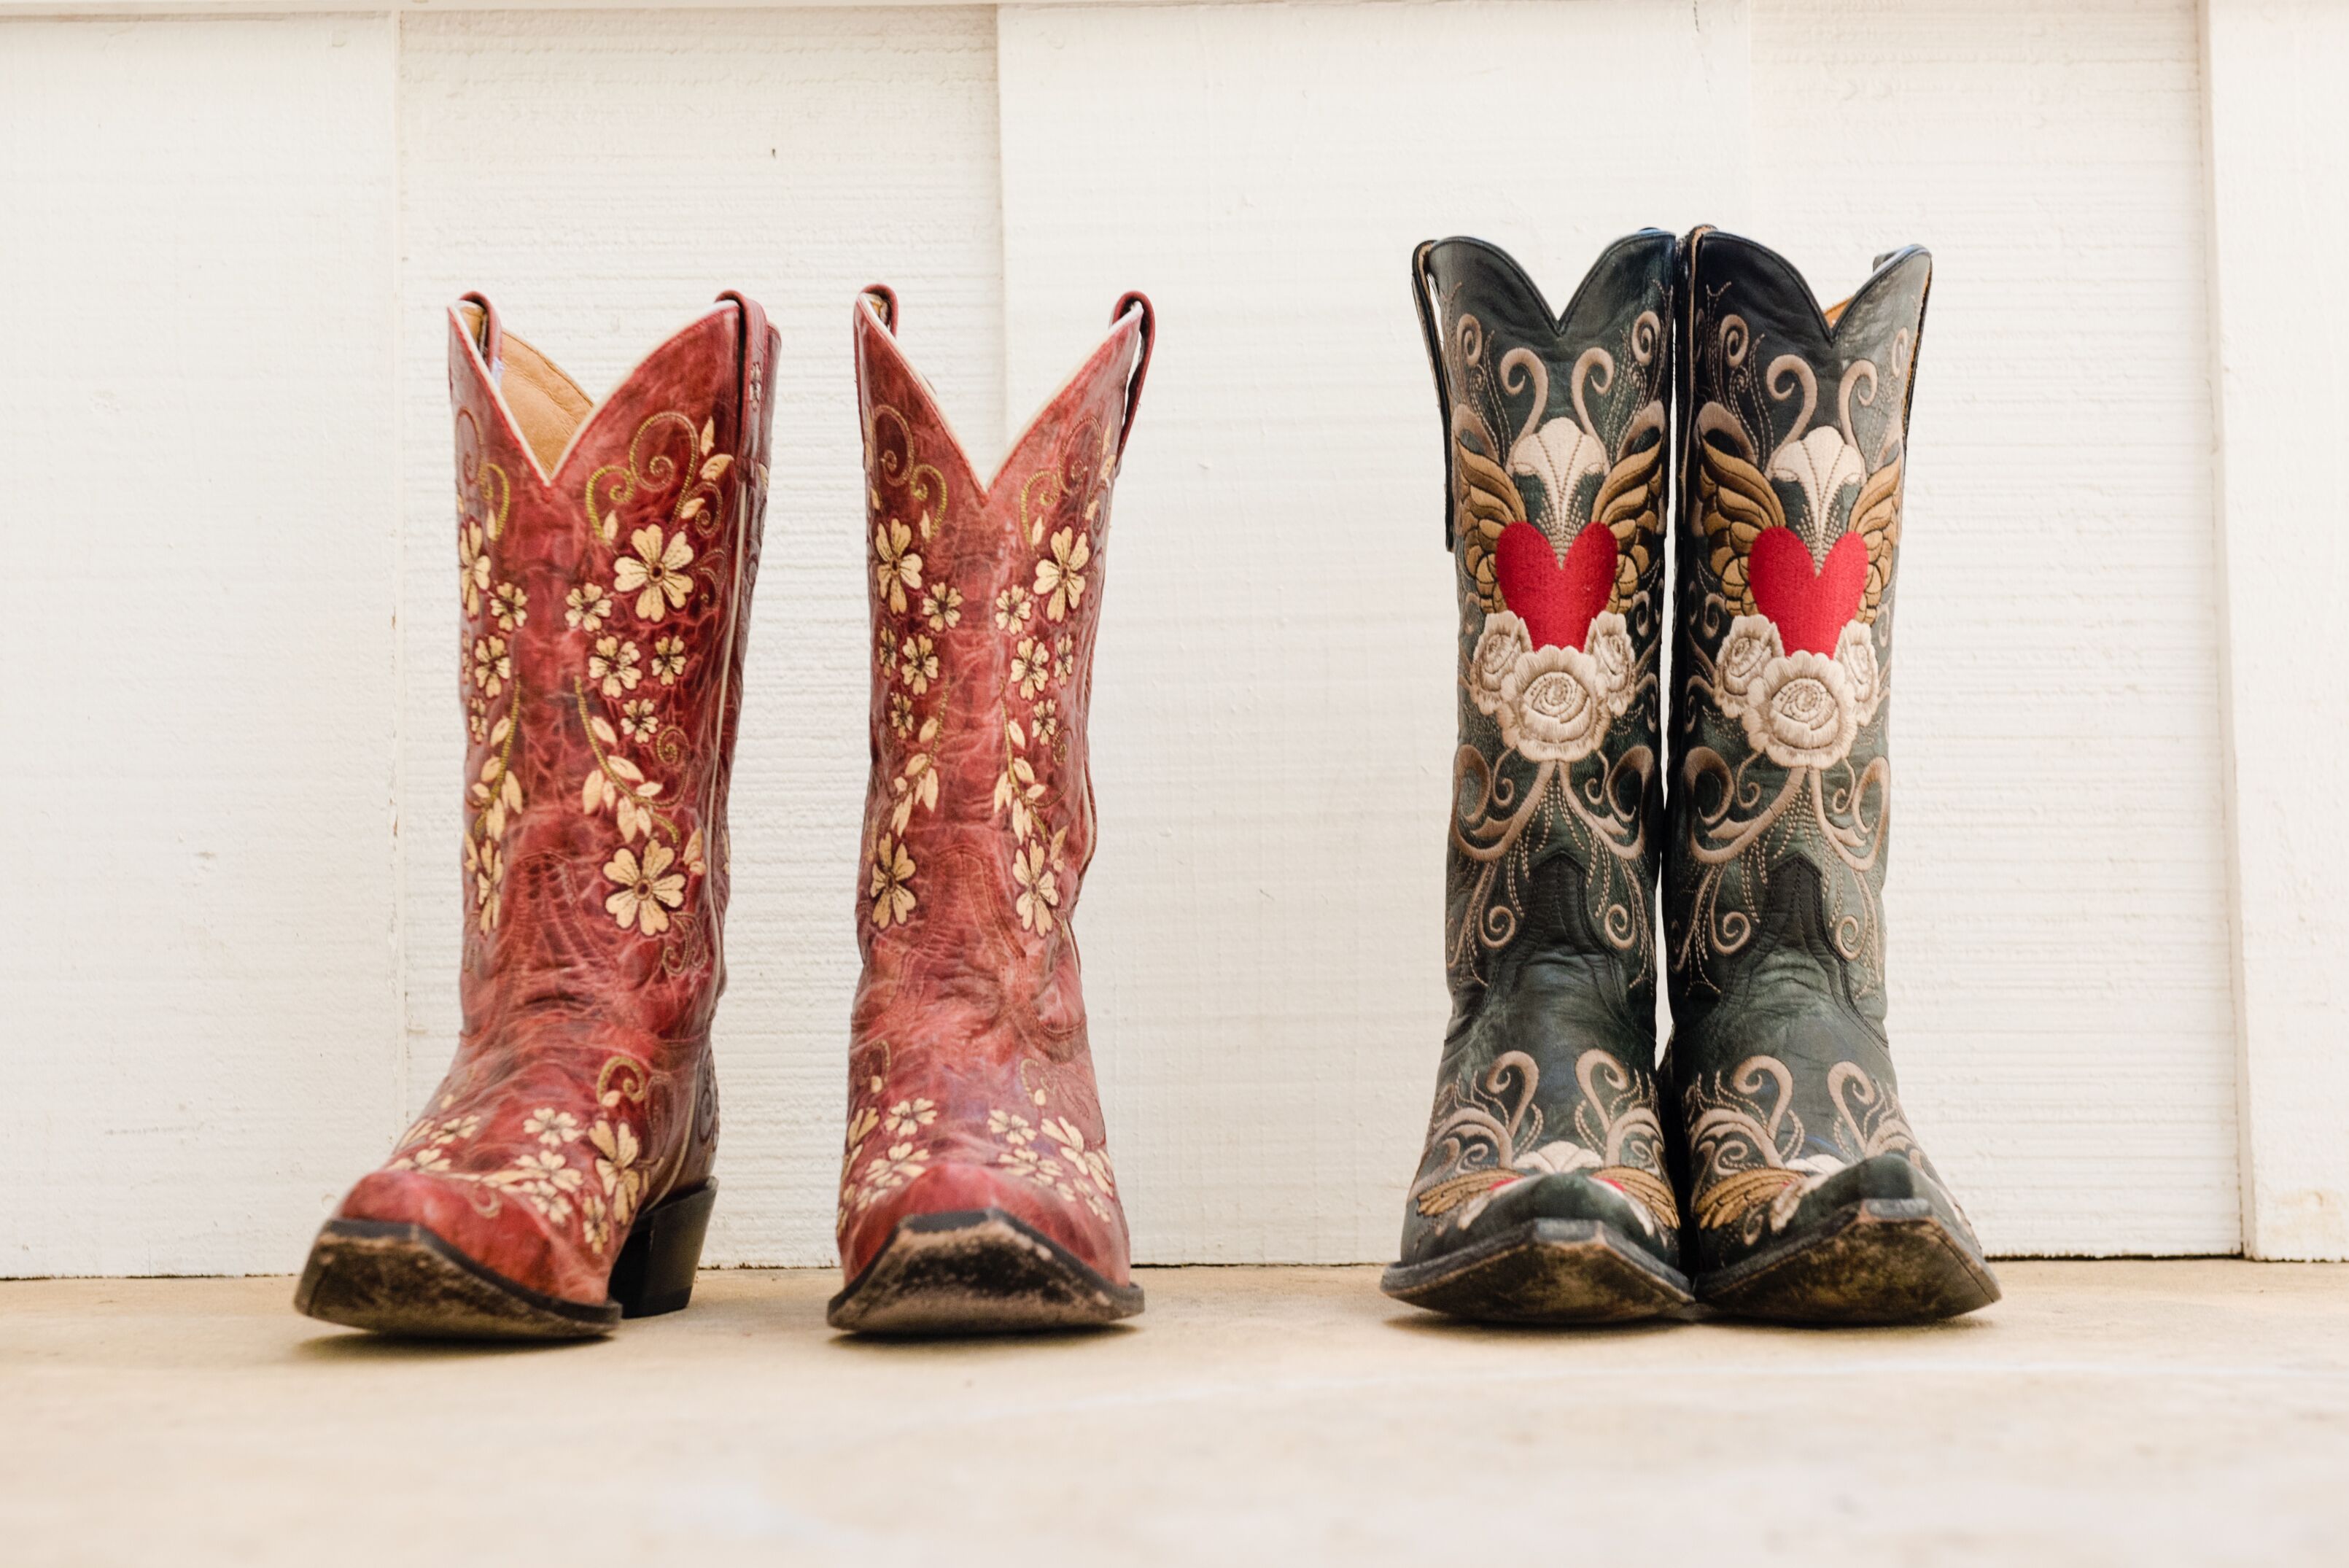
{"x": 403, "y": 1279}
{"x": 1543, "y": 1271}
{"x": 977, "y": 1271}
{"x": 1882, "y": 1260}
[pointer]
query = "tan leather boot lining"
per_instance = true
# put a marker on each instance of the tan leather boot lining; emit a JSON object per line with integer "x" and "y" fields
{"x": 1834, "y": 313}
{"x": 547, "y": 404}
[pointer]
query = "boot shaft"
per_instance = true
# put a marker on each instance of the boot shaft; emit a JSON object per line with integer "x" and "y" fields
{"x": 1558, "y": 448}
{"x": 1794, "y": 428}
{"x": 607, "y": 558}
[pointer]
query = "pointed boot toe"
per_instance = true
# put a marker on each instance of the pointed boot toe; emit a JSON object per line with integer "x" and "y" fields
{"x": 1878, "y": 1242}
{"x": 971, "y": 1251}
{"x": 1562, "y": 1248}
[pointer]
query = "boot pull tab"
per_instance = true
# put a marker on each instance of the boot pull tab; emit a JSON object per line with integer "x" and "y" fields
{"x": 1422, "y": 282}
{"x": 489, "y": 333}
{"x": 748, "y": 408}
{"x": 884, "y": 304}
{"x": 1135, "y": 300}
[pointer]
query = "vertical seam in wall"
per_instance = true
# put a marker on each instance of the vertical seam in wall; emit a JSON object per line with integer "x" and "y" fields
{"x": 1008, "y": 410}
{"x": 2230, "y": 815}
{"x": 397, "y": 292}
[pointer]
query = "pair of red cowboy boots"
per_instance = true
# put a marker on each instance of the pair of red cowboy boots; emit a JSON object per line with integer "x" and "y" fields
{"x": 560, "y": 1178}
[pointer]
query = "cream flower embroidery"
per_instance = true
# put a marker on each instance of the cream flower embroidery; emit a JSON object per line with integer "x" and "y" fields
{"x": 638, "y": 721}
{"x": 1011, "y": 1127}
{"x": 891, "y": 889}
{"x": 884, "y": 653}
{"x": 1499, "y": 645}
{"x": 896, "y": 566}
{"x": 492, "y": 665}
{"x": 1554, "y": 705}
{"x": 901, "y": 713}
{"x": 656, "y": 572}
{"x": 486, "y": 865}
{"x": 942, "y": 607}
{"x": 1801, "y": 711}
{"x": 509, "y": 605}
{"x": 616, "y": 1150}
{"x": 472, "y": 567}
{"x": 907, "y": 1118}
{"x": 550, "y": 1126}
{"x": 668, "y": 658}
{"x": 1856, "y": 651}
{"x": 1064, "y": 657}
{"x": 1032, "y": 665}
{"x": 1751, "y": 643}
{"x": 917, "y": 662}
{"x": 1608, "y": 643}
{"x": 1046, "y": 725}
{"x": 477, "y": 718}
{"x": 1013, "y": 607}
{"x": 1060, "y": 575}
{"x": 648, "y": 889}
{"x": 614, "y": 663}
{"x": 1039, "y": 889}
{"x": 586, "y": 606}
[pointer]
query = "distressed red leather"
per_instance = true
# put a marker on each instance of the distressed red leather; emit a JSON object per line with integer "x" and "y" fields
{"x": 970, "y": 1079}
{"x": 606, "y": 600}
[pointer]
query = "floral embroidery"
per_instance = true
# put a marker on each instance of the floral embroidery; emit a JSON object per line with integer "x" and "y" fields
{"x": 668, "y": 658}
{"x": 918, "y": 663}
{"x": 943, "y": 608}
{"x": 473, "y": 566}
{"x": 901, "y": 713}
{"x": 647, "y": 891}
{"x": 1035, "y": 869}
{"x": 492, "y": 665}
{"x": 509, "y": 605}
{"x": 892, "y": 889}
{"x": 639, "y": 722}
{"x": 896, "y": 565}
{"x": 614, "y": 665}
{"x": 656, "y": 572}
{"x": 1013, "y": 607}
{"x": 1059, "y": 576}
{"x": 1032, "y": 665}
{"x": 586, "y": 607}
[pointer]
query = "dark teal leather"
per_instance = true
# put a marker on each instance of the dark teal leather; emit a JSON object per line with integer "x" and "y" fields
{"x": 1546, "y": 1100}
{"x": 1792, "y": 433}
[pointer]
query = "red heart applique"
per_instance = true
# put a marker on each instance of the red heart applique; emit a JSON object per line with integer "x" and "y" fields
{"x": 1809, "y": 607}
{"x": 1558, "y": 601}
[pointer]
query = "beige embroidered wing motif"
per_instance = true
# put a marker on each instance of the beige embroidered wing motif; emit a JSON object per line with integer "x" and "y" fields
{"x": 1734, "y": 505}
{"x": 1876, "y": 518}
{"x": 1486, "y": 500}
{"x": 1630, "y": 506}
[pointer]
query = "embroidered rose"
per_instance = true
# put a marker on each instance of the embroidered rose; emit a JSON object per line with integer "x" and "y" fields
{"x": 1499, "y": 645}
{"x": 892, "y": 887}
{"x": 1554, "y": 705}
{"x": 656, "y": 572}
{"x": 648, "y": 889}
{"x": 1608, "y": 643}
{"x": 1856, "y": 651}
{"x": 1800, "y": 711}
{"x": 1751, "y": 643}
{"x": 1060, "y": 575}
{"x": 895, "y": 565}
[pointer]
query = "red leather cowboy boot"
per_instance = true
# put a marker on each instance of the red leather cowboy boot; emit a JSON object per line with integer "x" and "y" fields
{"x": 976, "y": 1192}
{"x": 559, "y": 1178}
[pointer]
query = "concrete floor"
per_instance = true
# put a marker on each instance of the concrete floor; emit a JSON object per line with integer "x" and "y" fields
{"x": 2111, "y": 1412}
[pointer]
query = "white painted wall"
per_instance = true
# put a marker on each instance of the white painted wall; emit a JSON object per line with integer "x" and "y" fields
{"x": 228, "y": 245}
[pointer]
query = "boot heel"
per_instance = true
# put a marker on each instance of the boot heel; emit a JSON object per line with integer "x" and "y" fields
{"x": 655, "y": 1271}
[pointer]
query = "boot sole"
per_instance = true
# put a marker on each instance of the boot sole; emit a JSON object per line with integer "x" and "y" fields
{"x": 404, "y": 1278}
{"x": 1543, "y": 1272}
{"x": 977, "y": 1271}
{"x": 1879, "y": 1260}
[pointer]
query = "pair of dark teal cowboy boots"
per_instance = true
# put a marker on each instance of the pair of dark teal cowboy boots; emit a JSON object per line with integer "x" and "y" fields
{"x": 1764, "y": 1167}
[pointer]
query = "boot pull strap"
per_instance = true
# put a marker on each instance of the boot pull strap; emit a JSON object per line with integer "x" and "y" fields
{"x": 1135, "y": 301}
{"x": 490, "y": 334}
{"x": 749, "y": 406}
{"x": 885, "y": 302}
{"x": 1421, "y": 281}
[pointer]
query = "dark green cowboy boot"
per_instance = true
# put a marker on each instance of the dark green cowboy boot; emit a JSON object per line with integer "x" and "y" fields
{"x": 1809, "y": 1200}
{"x": 1543, "y": 1194}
